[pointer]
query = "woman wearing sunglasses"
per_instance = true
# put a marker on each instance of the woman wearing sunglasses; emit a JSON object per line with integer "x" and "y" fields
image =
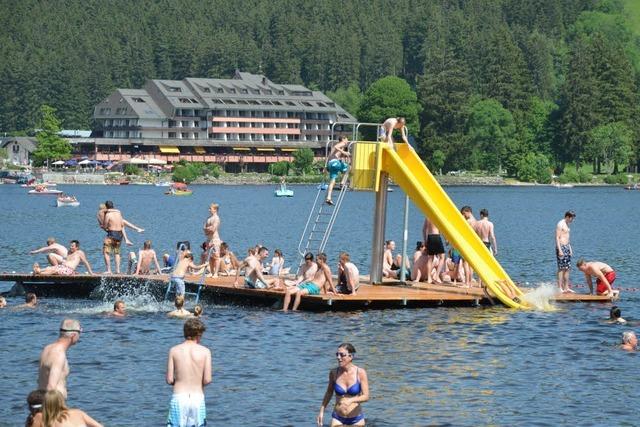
{"x": 351, "y": 387}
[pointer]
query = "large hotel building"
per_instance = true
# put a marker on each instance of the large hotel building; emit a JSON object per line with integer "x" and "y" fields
{"x": 246, "y": 120}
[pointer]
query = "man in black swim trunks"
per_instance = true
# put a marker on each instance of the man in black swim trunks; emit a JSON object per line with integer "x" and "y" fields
{"x": 435, "y": 249}
{"x": 113, "y": 225}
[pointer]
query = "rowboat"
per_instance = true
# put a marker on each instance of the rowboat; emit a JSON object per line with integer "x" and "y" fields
{"x": 179, "y": 189}
{"x": 65, "y": 200}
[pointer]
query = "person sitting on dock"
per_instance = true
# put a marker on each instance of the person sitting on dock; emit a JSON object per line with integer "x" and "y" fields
{"x": 629, "y": 341}
{"x": 253, "y": 278}
{"x": 228, "y": 263}
{"x": 348, "y": 275}
{"x": 177, "y": 276}
{"x": 189, "y": 371}
{"x": 604, "y": 274}
{"x": 307, "y": 271}
{"x": 118, "y": 309}
{"x": 113, "y": 223}
{"x": 68, "y": 267}
{"x": 180, "y": 311}
{"x": 56, "y": 253}
{"x": 337, "y": 163}
{"x": 387, "y": 260}
{"x": 146, "y": 256}
{"x": 277, "y": 263}
{"x": 321, "y": 281}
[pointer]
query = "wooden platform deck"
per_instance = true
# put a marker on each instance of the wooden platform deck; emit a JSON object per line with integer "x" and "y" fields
{"x": 388, "y": 295}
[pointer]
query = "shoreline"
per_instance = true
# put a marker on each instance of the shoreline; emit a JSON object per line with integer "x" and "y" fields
{"x": 267, "y": 179}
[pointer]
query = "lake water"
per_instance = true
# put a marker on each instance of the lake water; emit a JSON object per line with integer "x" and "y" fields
{"x": 444, "y": 366}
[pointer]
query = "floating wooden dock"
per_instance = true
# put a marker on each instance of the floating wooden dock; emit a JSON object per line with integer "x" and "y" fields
{"x": 388, "y": 295}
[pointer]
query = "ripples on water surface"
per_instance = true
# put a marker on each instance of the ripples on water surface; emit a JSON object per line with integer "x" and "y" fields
{"x": 446, "y": 366}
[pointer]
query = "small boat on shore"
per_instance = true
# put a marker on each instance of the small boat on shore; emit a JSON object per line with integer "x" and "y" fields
{"x": 558, "y": 185}
{"x": 44, "y": 191}
{"x": 632, "y": 187}
{"x": 163, "y": 184}
{"x": 283, "y": 191}
{"x": 179, "y": 189}
{"x": 67, "y": 200}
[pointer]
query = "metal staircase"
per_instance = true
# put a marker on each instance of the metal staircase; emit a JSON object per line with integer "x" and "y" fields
{"x": 320, "y": 222}
{"x": 170, "y": 289}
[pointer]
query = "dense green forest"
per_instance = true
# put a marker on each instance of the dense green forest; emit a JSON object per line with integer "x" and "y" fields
{"x": 502, "y": 85}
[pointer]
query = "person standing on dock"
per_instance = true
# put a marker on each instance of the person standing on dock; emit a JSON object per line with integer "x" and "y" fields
{"x": 435, "y": 250}
{"x": 56, "y": 253}
{"x": 113, "y": 223}
{"x": 211, "y": 231}
{"x": 189, "y": 371}
{"x": 485, "y": 230}
{"x": 337, "y": 163}
{"x": 564, "y": 252}
{"x": 54, "y": 368}
{"x": 604, "y": 274}
{"x": 467, "y": 213}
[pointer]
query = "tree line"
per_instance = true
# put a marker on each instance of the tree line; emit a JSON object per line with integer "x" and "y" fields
{"x": 515, "y": 86}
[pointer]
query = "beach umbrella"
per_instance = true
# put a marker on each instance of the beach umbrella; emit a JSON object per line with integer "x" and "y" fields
{"x": 85, "y": 162}
{"x": 71, "y": 162}
{"x": 58, "y": 163}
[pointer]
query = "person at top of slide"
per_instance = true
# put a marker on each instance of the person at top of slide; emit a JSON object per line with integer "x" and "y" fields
{"x": 391, "y": 124}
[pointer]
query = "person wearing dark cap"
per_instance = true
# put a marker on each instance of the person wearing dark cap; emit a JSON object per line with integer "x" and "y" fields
{"x": 564, "y": 252}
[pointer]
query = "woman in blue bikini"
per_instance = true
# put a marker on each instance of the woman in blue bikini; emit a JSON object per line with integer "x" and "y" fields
{"x": 351, "y": 387}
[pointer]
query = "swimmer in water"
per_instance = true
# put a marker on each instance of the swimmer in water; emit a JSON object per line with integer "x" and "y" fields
{"x": 351, "y": 386}
{"x": 629, "y": 341}
{"x": 615, "y": 315}
{"x": 118, "y": 309}
{"x": 180, "y": 311}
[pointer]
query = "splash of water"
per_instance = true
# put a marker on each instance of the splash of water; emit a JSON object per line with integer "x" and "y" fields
{"x": 540, "y": 297}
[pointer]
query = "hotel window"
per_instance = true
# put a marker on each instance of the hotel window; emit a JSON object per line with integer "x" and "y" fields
{"x": 184, "y": 100}
{"x": 137, "y": 99}
{"x": 276, "y": 102}
{"x": 306, "y": 104}
{"x": 343, "y": 116}
{"x": 196, "y": 135}
{"x": 331, "y": 104}
{"x": 291, "y": 103}
{"x": 243, "y": 102}
{"x": 244, "y": 91}
{"x": 172, "y": 134}
{"x": 229, "y": 101}
{"x": 232, "y": 91}
{"x": 206, "y": 90}
{"x": 321, "y": 104}
{"x": 184, "y": 135}
{"x": 184, "y": 123}
{"x": 280, "y": 92}
{"x": 174, "y": 89}
{"x": 255, "y": 91}
{"x": 193, "y": 100}
{"x": 219, "y": 90}
{"x": 268, "y": 92}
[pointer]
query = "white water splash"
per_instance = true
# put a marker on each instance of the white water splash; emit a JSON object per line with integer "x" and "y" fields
{"x": 540, "y": 297}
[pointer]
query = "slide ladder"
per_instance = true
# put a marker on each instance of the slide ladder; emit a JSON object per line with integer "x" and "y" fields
{"x": 320, "y": 222}
{"x": 410, "y": 173}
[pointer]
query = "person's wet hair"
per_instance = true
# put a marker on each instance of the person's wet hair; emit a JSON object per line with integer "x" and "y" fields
{"x": 30, "y": 297}
{"x": 278, "y": 252}
{"x": 193, "y": 328}
{"x": 308, "y": 256}
{"x": 484, "y": 213}
{"x": 197, "y": 310}
{"x": 321, "y": 257}
{"x": 262, "y": 250}
{"x": 615, "y": 312}
{"x": 108, "y": 204}
{"x": 179, "y": 302}
{"x": 580, "y": 262}
{"x": 117, "y": 303}
{"x": 569, "y": 214}
{"x": 147, "y": 244}
{"x": 348, "y": 346}
{"x": 76, "y": 242}
{"x": 628, "y": 336}
{"x": 345, "y": 257}
{"x": 466, "y": 209}
{"x": 419, "y": 245}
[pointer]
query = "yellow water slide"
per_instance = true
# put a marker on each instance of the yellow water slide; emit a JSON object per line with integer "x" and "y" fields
{"x": 410, "y": 173}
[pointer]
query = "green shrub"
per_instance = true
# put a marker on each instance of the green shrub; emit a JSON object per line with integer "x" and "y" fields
{"x": 280, "y": 168}
{"x": 534, "y": 168}
{"x": 616, "y": 179}
{"x": 132, "y": 170}
{"x": 568, "y": 176}
{"x": 584, "y": 177}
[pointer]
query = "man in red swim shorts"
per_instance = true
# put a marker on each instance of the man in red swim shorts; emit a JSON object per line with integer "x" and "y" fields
{"x": 604, "y": 274}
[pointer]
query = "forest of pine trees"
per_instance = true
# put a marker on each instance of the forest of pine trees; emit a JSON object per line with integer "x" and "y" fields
{"x": 502, "y": 85}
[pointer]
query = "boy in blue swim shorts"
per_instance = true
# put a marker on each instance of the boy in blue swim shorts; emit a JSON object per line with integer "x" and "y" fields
{"x": 336, "y": 164}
